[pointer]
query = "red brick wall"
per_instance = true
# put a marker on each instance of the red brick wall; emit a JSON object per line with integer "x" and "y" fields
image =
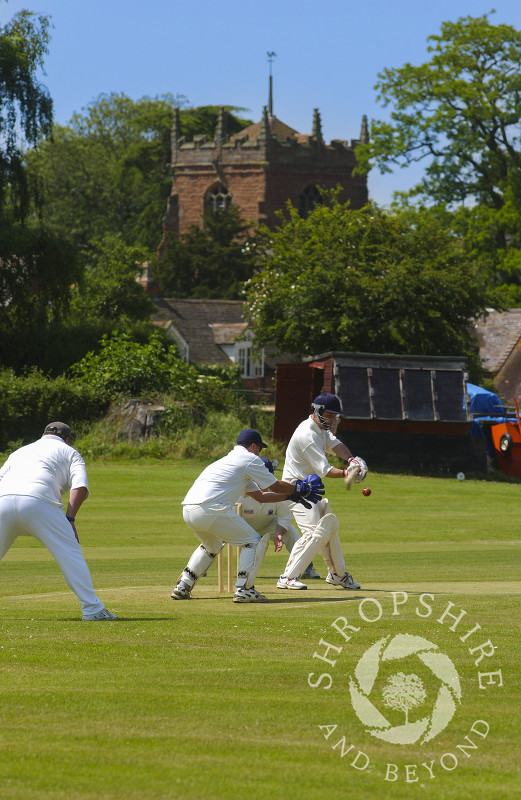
{"x": 261, "y": 177}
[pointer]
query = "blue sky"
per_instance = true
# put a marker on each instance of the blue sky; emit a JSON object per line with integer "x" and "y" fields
{"x": 328, "y": 56}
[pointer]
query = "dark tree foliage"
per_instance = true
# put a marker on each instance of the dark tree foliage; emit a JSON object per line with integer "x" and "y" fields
{"x": 210, "y": 262}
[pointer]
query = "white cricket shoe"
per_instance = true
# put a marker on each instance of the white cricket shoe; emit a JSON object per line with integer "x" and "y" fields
{"x": 310, "y": 573}
{"x": 181, "y": 591}
{"x": 243, "y": 595}
{"x": 290, "y": 583}
{"x": 347, "y": 581}
{"x": 99, "y": 615}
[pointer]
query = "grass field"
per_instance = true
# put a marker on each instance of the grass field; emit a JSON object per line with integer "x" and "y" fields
{"x": 209, "y": 699}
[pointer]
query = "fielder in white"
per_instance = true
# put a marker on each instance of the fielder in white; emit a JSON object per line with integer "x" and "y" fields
{"x": 32, "y": 482}
{"x": 209, "y": 510}
{"x": 308, "y": 452}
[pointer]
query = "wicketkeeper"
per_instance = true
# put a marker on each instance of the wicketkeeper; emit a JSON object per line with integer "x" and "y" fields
{"x": 307, "y": 452}
{"x": 209, "y": 510}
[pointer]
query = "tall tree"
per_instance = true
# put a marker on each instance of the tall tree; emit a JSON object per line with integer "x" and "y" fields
{"x": 460, "y": 113}
{"x": 368, "y": 281}
{"x": 25, "y": 106}
{"x": 36, "y": 267}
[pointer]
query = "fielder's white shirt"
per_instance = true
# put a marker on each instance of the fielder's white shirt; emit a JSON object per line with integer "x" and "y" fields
{"x": 45, "y": 469}
{"x": 260, "y": 515}
{"x": 307, "y": 451}
{"x": 223, "y": 483}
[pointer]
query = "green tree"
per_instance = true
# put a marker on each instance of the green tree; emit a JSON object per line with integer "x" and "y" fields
{"x": 25, "y": 106}
{"x": 460, "y": 113}
{"x": 128, "y": 368}
{"x": 36, "y": 267}
{"x": 212, "y": 261}
{"x": 108, "y": 288}
{"x": 369, "y": 281}
{"x": 36, "y": 272}
{"x": 108, "y": 170}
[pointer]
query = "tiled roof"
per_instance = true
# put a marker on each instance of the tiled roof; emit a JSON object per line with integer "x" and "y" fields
{"x": 206, "y": 324}
{"x": 278, "y": 129}
{"x": 497, "y": 336}
{"x": 194, "y": 320}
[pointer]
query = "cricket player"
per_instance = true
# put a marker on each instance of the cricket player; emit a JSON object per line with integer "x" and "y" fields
{"x": 308, "y": 451}
{"x": 209, "y": 510}
{"x": 32, "y": 482}
{"x": 272, "y": 519}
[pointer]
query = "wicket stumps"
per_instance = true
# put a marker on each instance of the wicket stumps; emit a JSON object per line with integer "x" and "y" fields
{"x": 229, "y": 555}
{"x": 220, "y": 565}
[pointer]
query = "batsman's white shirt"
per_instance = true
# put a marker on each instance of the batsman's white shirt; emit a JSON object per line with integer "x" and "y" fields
{"x": 45, "y": 469}
{"x": 307, "y": 451}
{"x": 223, "y": 483}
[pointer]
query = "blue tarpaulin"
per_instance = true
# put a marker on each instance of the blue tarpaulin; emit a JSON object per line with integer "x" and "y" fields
{"x": 484, "y": 402}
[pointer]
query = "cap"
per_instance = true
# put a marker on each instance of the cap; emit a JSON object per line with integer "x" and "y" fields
{"x": 268, "y": 464}
{"x": 250, "y": 436}
{"x": 58, "y": 429}
{"x": 329, "y": 402}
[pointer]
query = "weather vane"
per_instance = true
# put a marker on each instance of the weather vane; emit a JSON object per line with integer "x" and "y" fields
{"x": 271, "y": 55}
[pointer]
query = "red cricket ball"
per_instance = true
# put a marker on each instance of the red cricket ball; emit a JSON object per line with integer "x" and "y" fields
{"x": 366, "y": 491}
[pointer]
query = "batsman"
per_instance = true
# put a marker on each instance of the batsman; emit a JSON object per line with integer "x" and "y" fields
{"x": 209, "y": 510}
{"x": 307, "y": 452}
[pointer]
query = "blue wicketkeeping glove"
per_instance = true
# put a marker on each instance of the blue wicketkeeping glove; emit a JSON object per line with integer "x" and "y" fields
{"x": 297, "y": 498}
{"x": 311, "y": 489}
{"x": 315, "y": 482}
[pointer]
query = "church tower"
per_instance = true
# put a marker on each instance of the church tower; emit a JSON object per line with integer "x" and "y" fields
{"x": 258, "y": 169}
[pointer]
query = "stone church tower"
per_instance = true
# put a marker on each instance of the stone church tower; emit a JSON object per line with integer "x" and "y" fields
{"x": 258, "y": 169}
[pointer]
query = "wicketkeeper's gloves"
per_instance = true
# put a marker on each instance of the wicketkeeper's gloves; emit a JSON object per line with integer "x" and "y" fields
{"x": 311, "y": 489}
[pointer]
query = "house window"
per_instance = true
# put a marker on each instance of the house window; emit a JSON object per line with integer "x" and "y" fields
{"x": 309, "y": 198}
{"x": 250, "y": 367}
{"x": 218, "y": 198}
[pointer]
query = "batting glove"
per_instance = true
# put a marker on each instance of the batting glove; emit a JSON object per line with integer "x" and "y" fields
{"x": 359, "y": 462}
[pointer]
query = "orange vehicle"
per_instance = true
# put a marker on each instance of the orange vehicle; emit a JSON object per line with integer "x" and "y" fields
{"x": 506, "y": 437}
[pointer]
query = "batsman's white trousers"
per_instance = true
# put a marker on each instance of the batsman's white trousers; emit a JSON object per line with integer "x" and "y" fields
{"x": 307, "y": 546}
{"x": 29, "y": 516}
{"x": 213, "y": 527}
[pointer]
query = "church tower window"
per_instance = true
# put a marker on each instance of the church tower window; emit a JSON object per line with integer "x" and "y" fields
{"x": 218, "y": 198}
{"x": 307, "y": 201}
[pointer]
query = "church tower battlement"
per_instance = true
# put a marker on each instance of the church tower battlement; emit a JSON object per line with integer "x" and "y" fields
{"x": 258, "y": 169}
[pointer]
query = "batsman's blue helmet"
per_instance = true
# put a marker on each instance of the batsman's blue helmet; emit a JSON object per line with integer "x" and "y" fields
{"x": 327, "y": 402}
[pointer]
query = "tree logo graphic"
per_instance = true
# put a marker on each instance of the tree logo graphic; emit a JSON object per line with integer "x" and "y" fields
{"x": 404, "y": 692}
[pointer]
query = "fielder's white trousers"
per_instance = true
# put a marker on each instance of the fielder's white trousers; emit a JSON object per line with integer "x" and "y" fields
{"x": 21, "y": 515}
